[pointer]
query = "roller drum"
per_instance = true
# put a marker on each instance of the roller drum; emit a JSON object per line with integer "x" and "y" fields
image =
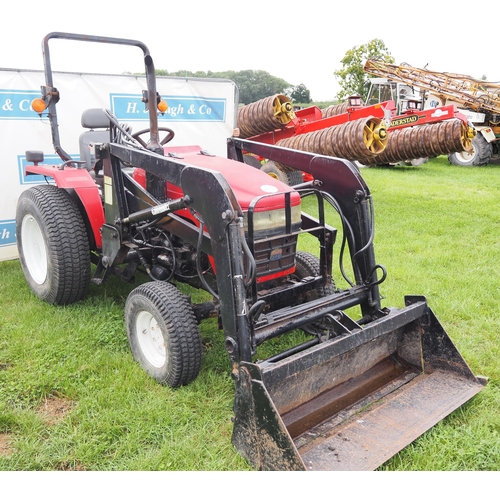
{"x": 356, "y": 140}
{"x": 265, "y": 115}
{"x": 446, "y": 137}
{"x": 334, "y": 110}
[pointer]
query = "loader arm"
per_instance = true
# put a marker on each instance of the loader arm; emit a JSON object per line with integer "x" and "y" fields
{"x": 353, "y": 401}
{"x": 222, "y": 217}
{"x": 343, "y": 182}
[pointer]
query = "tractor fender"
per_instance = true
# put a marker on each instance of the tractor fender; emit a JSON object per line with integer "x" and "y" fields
{"x": 81, "y": 182}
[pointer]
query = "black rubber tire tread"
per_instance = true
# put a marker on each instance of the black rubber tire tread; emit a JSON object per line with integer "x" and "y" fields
{"x": 179, "y": 327}
{"x": 288, "y": 176}
{"x": 252, "y": 161}
{"x": 483, "y": 152}
{"x": 67, "y": 244}
{"x": 308, "y": 265}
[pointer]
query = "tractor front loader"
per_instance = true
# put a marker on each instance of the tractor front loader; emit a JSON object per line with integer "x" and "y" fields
{"x": 356, "y": 381}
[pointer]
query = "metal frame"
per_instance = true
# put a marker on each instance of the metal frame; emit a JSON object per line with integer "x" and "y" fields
{"x": 266, "y": 392}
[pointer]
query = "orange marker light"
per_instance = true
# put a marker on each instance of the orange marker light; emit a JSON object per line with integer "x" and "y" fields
{"x": 38, "y": 105}
{"x": 162, "y": 106}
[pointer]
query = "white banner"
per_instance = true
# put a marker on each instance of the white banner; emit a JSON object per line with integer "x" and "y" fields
{"x": 202, "y": 112}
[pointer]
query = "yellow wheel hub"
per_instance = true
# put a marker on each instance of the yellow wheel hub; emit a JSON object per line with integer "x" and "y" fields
{"x": 283, "y": 110}
{"x": 375, "y": 135}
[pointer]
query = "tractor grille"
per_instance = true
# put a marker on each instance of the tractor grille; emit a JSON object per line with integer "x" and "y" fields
{"x": 272, "y": 234}
{"x": 274, "y": 255}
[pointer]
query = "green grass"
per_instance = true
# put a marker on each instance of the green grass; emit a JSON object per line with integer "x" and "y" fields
{"x": 437, "y": 233}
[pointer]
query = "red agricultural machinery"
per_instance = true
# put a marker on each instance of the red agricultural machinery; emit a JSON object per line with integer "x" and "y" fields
{"x": 365, "y": 134}
{"x": 479, "y": 100}
{"x": 360, "y": 379}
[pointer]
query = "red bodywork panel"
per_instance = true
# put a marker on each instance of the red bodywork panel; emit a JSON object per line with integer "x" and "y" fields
{"x": 83, "y": 184}
{"x": 246, "y": 182}
{"x": 432, "y": 115}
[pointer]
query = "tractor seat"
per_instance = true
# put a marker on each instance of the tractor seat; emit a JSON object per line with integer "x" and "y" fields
{"x": 98, "y": 124}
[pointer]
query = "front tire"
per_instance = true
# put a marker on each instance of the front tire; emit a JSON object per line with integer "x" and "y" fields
{"x": 309, "y": 265}
{"x": 53, "y": 245}
{"x": 163, "y": 333}
{"x": 287, "y": 175}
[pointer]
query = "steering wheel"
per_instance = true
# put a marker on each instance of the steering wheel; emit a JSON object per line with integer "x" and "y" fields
{"x": 170, "y": 135}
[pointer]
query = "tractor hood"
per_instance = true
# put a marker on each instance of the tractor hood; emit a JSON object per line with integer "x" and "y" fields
{"x": 247, "y": 182}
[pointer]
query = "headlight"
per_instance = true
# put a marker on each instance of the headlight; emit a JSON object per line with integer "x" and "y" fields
{"x": 273, "y": 222}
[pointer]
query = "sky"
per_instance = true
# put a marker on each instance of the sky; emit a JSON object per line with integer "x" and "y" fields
{"x": 300, "y": 42}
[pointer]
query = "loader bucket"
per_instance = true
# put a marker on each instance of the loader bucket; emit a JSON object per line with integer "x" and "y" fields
{"x": 354, "y": 401}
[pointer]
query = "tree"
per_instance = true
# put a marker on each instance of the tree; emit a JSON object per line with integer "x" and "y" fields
{"x": 352, "y": 78}
{"x": 299, "y": 93}
{"x": 253, "y": 85}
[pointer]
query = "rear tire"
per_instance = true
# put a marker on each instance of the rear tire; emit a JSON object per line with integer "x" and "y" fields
{"x": 480, "y": 154}
{"x": 288, "y": 176}
{"x": 53, "y": 245}
{"x": 163, "y": 333}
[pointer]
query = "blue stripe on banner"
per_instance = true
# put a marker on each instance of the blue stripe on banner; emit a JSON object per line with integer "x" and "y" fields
{"x": 34, "y": 178}
{"x": 16, "y": 104}
{"x": 7, "y": 232}
{"x": 183, "y": 109}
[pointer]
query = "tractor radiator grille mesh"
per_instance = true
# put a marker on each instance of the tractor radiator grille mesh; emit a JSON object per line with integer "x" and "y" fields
{"x": 274, "y": 255}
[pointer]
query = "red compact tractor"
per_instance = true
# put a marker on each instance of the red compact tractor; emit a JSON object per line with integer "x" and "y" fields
{"x": 182, "y": 215}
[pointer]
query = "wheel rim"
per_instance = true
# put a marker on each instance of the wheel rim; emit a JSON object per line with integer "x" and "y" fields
{"x": 151, "y": 339}
{"x": 283, "y": 110}
{"x": 34, "y": 249}
{"x": 465, "y": 156}
{"x": 375, "y": 136}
